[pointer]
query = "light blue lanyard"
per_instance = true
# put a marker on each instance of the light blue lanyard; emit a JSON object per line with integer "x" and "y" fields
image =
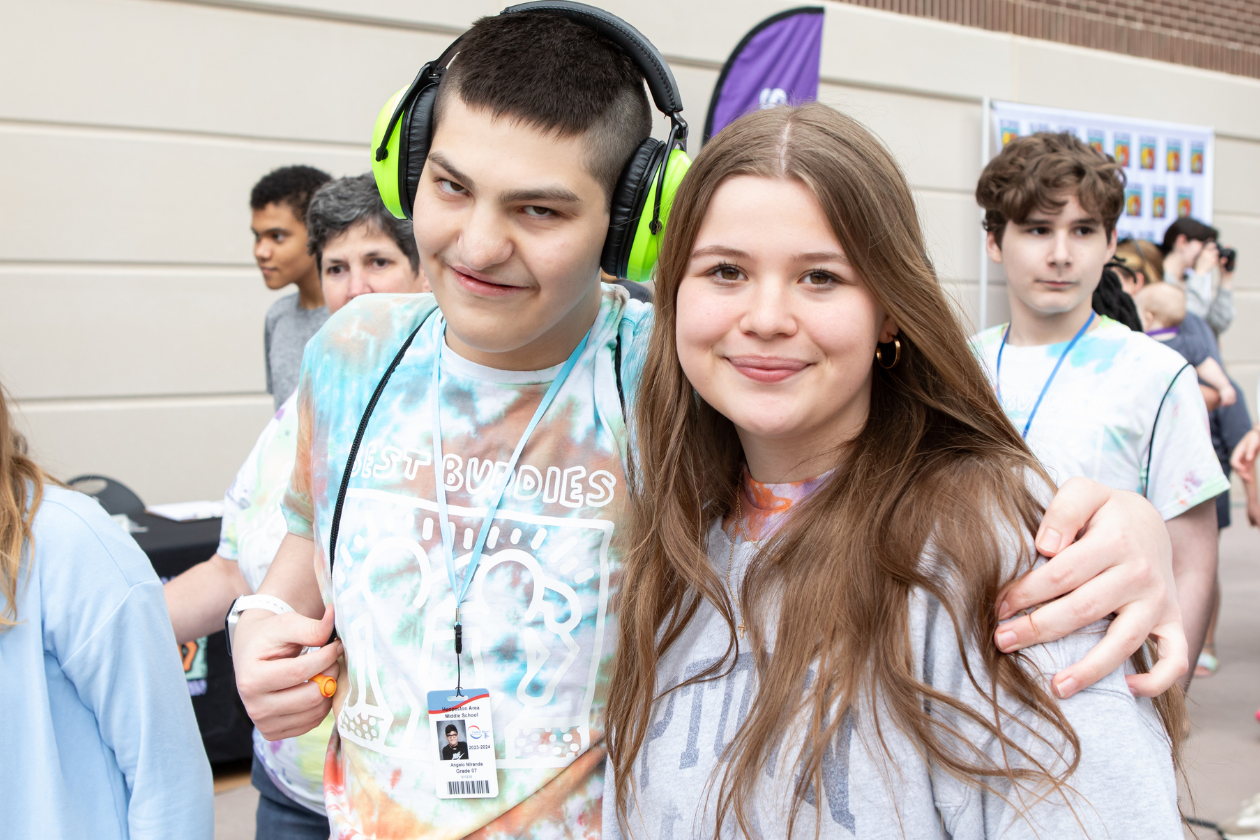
{"x": 439, "y": 466}
{"x": 1046, "y": 387}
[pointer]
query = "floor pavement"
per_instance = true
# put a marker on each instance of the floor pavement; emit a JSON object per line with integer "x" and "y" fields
{"x": 1222, "y": 756}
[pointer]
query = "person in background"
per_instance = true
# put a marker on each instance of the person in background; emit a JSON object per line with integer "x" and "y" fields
{"x": 1162, "y": 307}
{"x": 1191, "y": 257}
{"x": 98, "y": 734}
{"x": 360, "y": 249}
{"x": 1140, "y": 266}
{"x": 279, "y": 203}
{"x": 1144, "y": 261}
{"x": 1092, "y": 397}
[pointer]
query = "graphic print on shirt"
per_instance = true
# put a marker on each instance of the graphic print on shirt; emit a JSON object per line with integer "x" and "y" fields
{"x": 523, "y": 618}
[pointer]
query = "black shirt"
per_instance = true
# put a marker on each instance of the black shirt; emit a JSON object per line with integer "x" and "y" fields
{"x": 459, "y": 752}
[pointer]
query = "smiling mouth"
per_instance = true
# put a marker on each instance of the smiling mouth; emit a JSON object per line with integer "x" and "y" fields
{"x": 768, "y": 369}
{"x": 482, "y": 286}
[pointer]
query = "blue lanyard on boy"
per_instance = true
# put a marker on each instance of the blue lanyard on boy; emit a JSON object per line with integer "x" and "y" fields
{"x": 439, "y": 469}
{"x": 1046, "y": 387}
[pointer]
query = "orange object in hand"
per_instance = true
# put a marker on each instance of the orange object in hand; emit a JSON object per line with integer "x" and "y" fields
{"x": 327, "y": 685}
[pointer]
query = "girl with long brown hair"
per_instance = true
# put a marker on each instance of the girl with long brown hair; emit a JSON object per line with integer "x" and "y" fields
{"x": 97, "y": 734}
{"x": 828, "y": 500}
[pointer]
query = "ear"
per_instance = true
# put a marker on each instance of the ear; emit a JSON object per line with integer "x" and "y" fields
{"x": 888, "y": 330}
{"x": 1111, "y": 244}
{"x": 992, "y": 247}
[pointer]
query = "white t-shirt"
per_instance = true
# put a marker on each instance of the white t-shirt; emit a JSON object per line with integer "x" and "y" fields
{"x": 1097, "y": 416}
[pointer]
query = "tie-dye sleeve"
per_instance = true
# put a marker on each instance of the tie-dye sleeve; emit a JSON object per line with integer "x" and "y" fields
{"x": 298, "y": 507}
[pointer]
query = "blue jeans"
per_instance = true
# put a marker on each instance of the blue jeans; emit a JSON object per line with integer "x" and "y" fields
{"x": 279, "y": 817}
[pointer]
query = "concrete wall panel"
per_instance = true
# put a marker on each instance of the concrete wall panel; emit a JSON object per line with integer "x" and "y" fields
{"x": 166, "y": 450}
{"x": 69, "y": 332}
{"x": 139, "y": 197}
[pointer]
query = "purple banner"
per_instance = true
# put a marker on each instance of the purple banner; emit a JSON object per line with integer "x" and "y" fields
{"x": 775, "y": 64}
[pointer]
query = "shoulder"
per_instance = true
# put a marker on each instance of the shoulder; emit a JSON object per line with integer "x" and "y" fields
{"x": 370, "y": 327}
{"x": 75, "y": 540}
{"x": 1140, "y": 356}
{"x": 985, "y": 343}
{"x": 282, "y": 307}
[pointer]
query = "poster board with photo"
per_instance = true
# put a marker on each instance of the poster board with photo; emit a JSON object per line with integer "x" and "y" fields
{"x": 1167, "y": 166}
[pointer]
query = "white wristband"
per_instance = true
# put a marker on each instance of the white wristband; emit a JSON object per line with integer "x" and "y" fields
{"x": 252, "y": 602}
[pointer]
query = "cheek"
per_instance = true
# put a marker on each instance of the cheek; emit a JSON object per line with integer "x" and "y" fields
{"x": 703, "y": 319}
{"x": 846, "y": 332}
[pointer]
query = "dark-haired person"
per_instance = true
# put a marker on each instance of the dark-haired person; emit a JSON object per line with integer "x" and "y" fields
{"x": 1191, "y": 260}
{"x": 829, "y": 502}
{"x": 279, "y": 202}
{"x": 1092, "y": 397}
{"x": 455, "y": 749}
{"x": 360, "y": 249}
{"x": 97, "y": 735}
{"x": 534, "y": 124}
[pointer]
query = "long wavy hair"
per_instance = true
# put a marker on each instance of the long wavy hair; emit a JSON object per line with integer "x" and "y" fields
{"x": 21, "y": 491}
{"x": 936, "y": 469}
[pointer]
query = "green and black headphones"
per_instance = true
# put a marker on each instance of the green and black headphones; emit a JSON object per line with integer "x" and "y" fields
{"x": 645, "y": 190}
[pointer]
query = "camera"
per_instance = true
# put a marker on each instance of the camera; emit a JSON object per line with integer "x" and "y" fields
{"x": 1229, "y": 256}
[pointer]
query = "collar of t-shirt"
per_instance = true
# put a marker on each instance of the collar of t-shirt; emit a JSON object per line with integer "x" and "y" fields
{"x": 456, "y": 364}
{"x": 765, "y": 506}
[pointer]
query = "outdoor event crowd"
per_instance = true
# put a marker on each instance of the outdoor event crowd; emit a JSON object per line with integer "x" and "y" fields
{"x": 928, "y": 585}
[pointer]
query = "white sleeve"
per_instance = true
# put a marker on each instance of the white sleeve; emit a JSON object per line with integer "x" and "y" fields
{"x": 241, "y": 493}
{"x": 1184, "y": 470}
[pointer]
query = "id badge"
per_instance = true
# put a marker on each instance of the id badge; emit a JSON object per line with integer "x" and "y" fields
{"x": 464, "y": 742}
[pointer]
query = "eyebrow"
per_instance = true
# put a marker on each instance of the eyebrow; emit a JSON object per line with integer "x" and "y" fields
{"x": 526, "y": 194}
{"x": 1084, "y": 220}
{"x": 735, "y": 253}
{"x": 440, "y": 160}
{"x": 273, "y": 229}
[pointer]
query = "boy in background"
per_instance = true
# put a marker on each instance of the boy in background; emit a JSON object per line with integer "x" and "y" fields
{"x": 279, "y": 202}
{"x": 359, "y": 248}
{"x": 1092, "y": 397}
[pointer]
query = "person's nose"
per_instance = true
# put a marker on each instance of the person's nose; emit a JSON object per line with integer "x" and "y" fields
{"x": 769, "y": 312}
{"x": 262, "y": 251}
{"x": 484, "y": 242}
{"x": 357, "y": 284}
{"x": 1060, "y": 253}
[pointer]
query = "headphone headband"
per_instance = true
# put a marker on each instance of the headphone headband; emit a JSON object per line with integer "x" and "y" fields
{"x": 660, "y": 79}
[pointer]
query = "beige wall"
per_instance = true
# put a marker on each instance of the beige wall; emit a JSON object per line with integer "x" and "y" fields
{"x": 132, "y": 130}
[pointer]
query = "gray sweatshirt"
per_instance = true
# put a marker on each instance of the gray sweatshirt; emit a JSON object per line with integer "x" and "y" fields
{"x": 1124, "y": 786}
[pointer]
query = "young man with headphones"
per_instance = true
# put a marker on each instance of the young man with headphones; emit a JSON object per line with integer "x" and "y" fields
{"x": 461, "y": 471}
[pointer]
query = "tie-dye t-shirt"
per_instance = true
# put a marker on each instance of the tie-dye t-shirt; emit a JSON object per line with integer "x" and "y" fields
{"x": 536, "y": 623}
{"x": 1097, "y": 417}
{"x": 253, "y": 526}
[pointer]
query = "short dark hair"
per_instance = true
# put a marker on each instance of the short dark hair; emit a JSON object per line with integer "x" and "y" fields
{"x": 557, "y": 76}
{"x": 1034, "y": 173}
{"x": 291, "y": 185}
{"x": 1191, "y": 229}
{"x": 345, "y": 202}
{"x": 450, "y": 727}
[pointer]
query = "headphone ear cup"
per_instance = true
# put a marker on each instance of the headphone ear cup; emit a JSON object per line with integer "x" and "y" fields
{"x": 417, "y": 135}
{"x": 628, "y": 199}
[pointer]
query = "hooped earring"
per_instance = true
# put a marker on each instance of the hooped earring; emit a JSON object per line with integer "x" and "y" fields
{"x": 879, "y": 354}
